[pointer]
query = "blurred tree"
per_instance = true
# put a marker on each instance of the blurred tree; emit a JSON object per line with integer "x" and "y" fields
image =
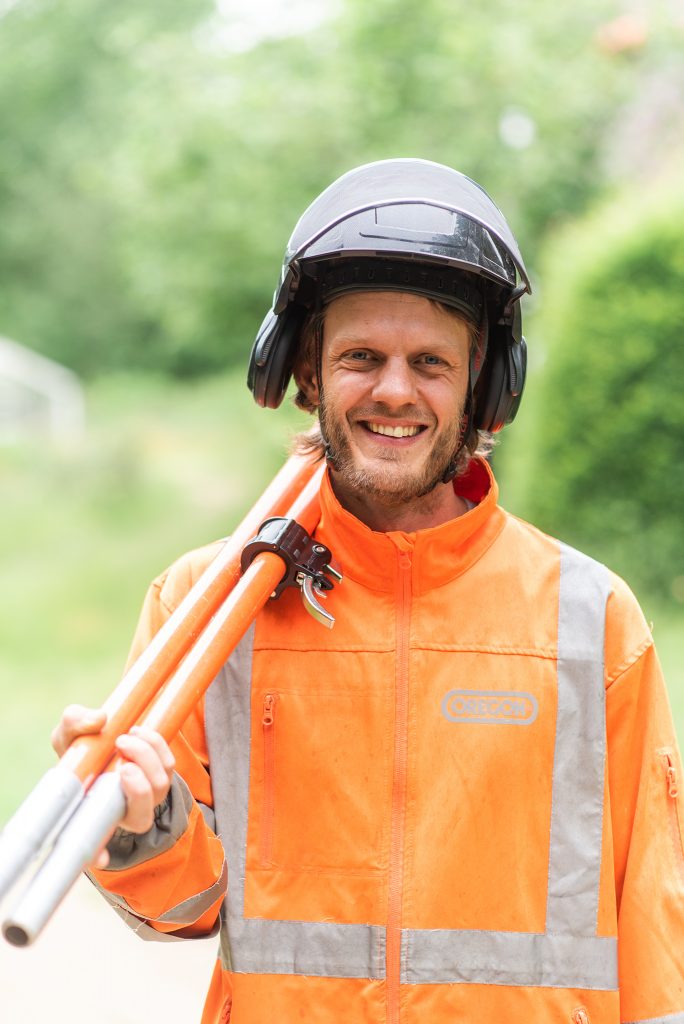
{"x": 608, "y": 433}
{"x": 150, "y": 173}
{"x": 66, "y": 79}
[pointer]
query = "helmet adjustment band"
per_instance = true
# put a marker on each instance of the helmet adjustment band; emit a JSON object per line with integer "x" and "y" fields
{"x": 452, "y": 286}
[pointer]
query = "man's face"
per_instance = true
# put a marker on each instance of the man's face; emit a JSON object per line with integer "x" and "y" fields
{"x": 395, "y": 375}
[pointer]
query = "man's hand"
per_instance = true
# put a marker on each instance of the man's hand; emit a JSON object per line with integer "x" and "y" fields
{"x": 145, "y": 776}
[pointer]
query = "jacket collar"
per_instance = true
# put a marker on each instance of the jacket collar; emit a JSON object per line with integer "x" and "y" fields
{"x": 438, "y": 555}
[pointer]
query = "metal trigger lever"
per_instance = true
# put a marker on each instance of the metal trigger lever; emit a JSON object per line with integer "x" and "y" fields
{"x": 310, "y": 593}
{"x": 311, "y": 587}
{"x": 306, "y": 563}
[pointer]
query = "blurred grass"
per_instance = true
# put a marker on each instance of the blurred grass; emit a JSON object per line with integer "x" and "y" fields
{"x": 83, "y": 529}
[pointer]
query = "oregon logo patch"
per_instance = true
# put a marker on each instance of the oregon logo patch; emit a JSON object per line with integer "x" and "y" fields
{"x": 489, "y": 707}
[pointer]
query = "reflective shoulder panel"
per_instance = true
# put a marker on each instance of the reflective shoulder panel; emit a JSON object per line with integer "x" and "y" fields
{"x": 580, "y": 747}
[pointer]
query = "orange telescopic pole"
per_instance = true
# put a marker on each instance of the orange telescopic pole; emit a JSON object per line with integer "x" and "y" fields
{"x": 88, "y": 755}
{"x": 228, "y": 626}
{"x": 63, "y": 789}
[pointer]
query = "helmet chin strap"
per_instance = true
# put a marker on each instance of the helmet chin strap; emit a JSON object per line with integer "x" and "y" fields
{"x": 452, "y": 468}
{"x": 328, "y": 453}
{"x": 475, "y": 363}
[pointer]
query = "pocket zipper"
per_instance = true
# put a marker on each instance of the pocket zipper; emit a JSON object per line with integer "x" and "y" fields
{"x": 672, "y": 780}
{"x": 268, "y": 807}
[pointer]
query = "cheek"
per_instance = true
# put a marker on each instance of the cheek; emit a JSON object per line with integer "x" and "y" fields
{"x": 447, "y": 402}
{"x": 345, "y": 390}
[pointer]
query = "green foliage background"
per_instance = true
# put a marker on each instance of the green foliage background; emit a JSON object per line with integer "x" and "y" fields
{"x": 607, "y": 447}
{"x": 150, "y": 173}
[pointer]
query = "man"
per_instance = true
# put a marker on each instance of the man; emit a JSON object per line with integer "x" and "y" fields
{"x": 462, "y": 803}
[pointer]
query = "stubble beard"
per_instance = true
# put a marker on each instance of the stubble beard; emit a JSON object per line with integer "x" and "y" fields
{"x": 387, "y": 481}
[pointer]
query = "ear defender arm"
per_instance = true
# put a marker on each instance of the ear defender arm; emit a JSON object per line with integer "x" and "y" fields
{"x": 273, "y": 354}
{"x": 501, "y": 383}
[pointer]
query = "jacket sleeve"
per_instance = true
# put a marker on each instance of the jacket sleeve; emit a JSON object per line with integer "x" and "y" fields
{"x": 171, "y": 879}
{"x": 647, "y": 811}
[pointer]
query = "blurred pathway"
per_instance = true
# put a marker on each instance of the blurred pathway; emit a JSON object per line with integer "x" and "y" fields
{"x": 89, "y": 968}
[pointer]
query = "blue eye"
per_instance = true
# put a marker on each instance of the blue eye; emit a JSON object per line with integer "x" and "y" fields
{"x": 431, "y": 360}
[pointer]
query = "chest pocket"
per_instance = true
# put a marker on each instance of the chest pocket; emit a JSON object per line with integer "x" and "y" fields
{"x": 317, "y": 785}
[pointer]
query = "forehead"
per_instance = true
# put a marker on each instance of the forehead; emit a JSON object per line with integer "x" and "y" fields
{"x": 402, "y": 317}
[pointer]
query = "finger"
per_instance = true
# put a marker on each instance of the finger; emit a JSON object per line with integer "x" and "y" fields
{"x": 100, "y": 860}
{"x": 138, "y": 750}
{"x": 159, "y": 744}
{"x": 76, "y": 720}
{"x": 140, "y": 800}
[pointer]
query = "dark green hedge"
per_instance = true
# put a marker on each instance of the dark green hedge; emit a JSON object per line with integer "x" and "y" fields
{"x": 608, "y": 463}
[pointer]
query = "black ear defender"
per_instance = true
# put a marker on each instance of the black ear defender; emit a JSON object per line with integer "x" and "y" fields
{"x": 500, "y": 387}
{"x": 273, "y": 354}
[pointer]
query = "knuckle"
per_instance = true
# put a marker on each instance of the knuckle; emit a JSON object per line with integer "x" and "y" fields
{"x": 71, "y": 716}
{"x": 135, "y": 782}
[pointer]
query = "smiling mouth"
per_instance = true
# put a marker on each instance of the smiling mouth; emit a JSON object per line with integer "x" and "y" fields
{"x": 393, "y": 431}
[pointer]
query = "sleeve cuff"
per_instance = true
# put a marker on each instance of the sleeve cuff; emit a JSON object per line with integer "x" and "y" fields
{"x": 127, "y": 849}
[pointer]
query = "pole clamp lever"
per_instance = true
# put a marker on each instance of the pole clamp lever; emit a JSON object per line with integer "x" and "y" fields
{"x": 307, "y": 563}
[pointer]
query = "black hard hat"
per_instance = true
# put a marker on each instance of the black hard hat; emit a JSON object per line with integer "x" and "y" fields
{"x": 408, "y": 225}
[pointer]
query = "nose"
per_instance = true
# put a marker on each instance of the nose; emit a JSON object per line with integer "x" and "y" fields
{"x": 394, "y": 385}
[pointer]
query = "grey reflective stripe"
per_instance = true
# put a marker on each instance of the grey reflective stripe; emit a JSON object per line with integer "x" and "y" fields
{"x": 139, "y": 924}
{"x": 509, "y": 958}
{"x": 670, "y": 1018}
{"x": 191, "y": 910}
{"x": 319, "y": 949}
{"x": 208, "y": 815}
{"x": 184, "y": 913}
{"x": 580, "y": 751}
{"x": 567, "y": 955}
{"x": 250, "y": 945}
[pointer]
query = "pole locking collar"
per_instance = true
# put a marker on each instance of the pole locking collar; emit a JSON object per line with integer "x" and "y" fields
{"x": 307, "y": 563}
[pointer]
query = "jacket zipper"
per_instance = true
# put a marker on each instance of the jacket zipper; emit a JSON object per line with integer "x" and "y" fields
{"x": 268, "y": 807}
{"x": 399, "y": 784}
{"x": 672, "y": 780}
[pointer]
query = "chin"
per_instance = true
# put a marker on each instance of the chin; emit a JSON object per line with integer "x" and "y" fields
{"x": 386, "y": 480}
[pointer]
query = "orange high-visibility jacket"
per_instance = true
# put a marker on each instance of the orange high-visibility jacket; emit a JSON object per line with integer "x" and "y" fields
{"x": 463, "y": 803}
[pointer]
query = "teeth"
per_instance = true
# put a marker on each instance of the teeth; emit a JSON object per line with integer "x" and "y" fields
{"x": 381, "y": 428}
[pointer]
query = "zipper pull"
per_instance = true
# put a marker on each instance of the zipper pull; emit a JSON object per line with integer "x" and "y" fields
{"x": 269, "y": 705}
{"x": 671, "y": 775}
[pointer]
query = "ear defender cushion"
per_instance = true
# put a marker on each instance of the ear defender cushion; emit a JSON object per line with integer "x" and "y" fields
{"x": 501, "y": 382}
{"x": 273, "y": 354}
